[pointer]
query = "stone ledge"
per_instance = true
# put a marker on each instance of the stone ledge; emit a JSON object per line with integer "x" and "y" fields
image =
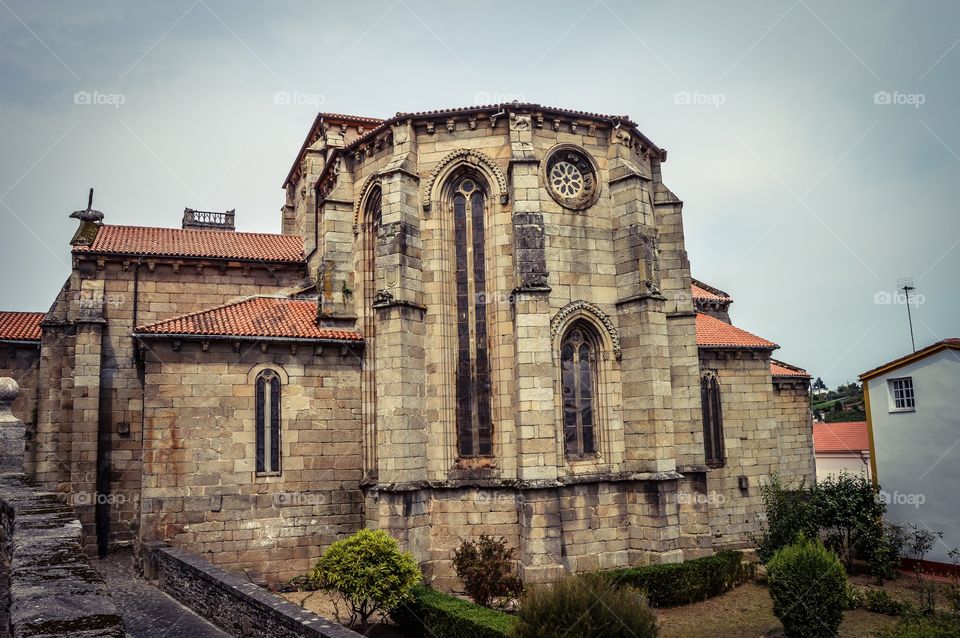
{"x": 581, "y": 479}
{"x": 238, "y": 606}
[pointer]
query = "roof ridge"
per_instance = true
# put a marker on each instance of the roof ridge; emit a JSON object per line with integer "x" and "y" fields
{"x": 205, "y": 231}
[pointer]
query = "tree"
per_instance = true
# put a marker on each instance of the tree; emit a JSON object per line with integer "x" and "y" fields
{"x": 486, "y": 569}
{"x": 850, "y": 514}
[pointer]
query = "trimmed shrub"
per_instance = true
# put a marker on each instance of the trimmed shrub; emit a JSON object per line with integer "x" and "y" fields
{"x": 438, "y": 615}
{"x": 586, "y": 607}
{"x": 369, "y": 571}
{"x": 808, "y": 586}
{"x": 486, "y": 569}
{"x": 673, "y": 584}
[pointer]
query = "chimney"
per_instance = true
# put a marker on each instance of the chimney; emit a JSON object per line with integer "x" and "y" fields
{"x": 209, "y": 220}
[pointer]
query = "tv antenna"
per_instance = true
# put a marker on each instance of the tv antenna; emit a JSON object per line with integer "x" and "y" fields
{"x": 906, "y": 285}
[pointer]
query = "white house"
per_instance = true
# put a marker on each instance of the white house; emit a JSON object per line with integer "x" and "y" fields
{"x": 913, "y": 419}
{"x": 841, "y": 447}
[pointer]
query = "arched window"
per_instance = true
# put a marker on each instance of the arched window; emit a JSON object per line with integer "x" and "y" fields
{"x": 268, "y": 422}
{"x": 474, "y": 426}
{"x": 372, "y": 218}
{"x": 712, "y": 420}
{"x": 578, "y": 368}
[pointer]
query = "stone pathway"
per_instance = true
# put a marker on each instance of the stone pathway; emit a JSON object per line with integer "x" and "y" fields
{"x": 147, "y": 611}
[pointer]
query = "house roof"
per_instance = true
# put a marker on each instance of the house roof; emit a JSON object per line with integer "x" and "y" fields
{"x": 705, "y": 292}
{"x": 256, "y": 317}
{"x": 192, "y": 243}
{"x": 20, "y": 326}
{"x": 851, "y": 437}
{"x": 712, "y": 332}
{"x": 952, "y": 343}
{"x": 781, "y": 369}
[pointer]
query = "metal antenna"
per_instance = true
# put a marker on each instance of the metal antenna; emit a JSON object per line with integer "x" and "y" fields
{"x": 906, "y": 285}
{"x": 90, "y": 200}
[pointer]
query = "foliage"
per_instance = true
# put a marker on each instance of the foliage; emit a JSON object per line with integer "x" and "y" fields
{"x": 788, "y": 514}
{"x": 880, "y": 602}
{"x": 438, "y": 615}
{"x": 850, "y": 516}
{"x": 919, "y": 542}
{"x": 887, "y": 552}
{"x": 369, "y": 571}
{"x": 673, "y": 584}
{"x": 808, "y": 586}
{"x": 486, "y": 569}
{"x": 953, "y": 591}
{"x": 918, "y": 626}
{"x": 584, "y": 607}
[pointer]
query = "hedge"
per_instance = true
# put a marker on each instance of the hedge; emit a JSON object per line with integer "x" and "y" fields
{"x": 439, "y": 615}
{"x": 671, "y": 584}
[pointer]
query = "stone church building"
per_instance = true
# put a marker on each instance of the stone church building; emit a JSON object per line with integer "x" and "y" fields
{"x": 474, "y": 321}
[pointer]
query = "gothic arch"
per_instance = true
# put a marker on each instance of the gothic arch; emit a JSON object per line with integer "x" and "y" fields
{"x": 260, "y": 367}
{"x": 586, "y": 310}
{"x": 464, "y": 157}
{"x": 369, "y": 184}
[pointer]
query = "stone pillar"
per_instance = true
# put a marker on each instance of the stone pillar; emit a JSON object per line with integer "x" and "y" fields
{"x": 541, "y": 552}
{"x": 12, "y": 430}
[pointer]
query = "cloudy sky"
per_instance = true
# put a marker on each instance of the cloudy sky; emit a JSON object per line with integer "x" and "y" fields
{"x": 815, "y": 144}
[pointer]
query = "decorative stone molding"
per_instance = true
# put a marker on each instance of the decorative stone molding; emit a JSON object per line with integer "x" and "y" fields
{"x": 372, "y": 181}
{"x": 464, "y": 156}
{"x": 581, "y": 306}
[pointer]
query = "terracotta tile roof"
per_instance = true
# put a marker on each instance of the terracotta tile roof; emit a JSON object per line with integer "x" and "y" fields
{"x": 841, "y": 437}
{"x": 191, "y": 243}
{"x": 265, "y": 317}
{"x": 716, "y": 333}
{"x": 781, "y": 369}
{"x": 952, "y": 343}
{"x": 699, "y": 292}
{"x": 20, "y": 326}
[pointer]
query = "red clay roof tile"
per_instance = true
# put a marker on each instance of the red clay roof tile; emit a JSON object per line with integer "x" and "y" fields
{"x": 781, "y": 369}
{"x": 20, "y": 326}
{"x": 255, "y": 317}
{"x": 191, "y": 243}
{"x": 841, "y": 437}
{"x": 716, "y": 333}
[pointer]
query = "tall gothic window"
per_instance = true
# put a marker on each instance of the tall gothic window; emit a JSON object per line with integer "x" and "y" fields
{"x": 268, "y": 422}
{"x": 712, "y": 420}
{"x": 474, "y": 427}
{"x": 578, "y": 366}
{"x": 372, "y": 217}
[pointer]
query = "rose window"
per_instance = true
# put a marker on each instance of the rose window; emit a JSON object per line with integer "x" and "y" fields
{"x": 566, "y": 179}
{"x": 571, "y": 178}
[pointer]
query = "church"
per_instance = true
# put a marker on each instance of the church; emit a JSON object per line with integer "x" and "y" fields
{"x": 474, "y": 321}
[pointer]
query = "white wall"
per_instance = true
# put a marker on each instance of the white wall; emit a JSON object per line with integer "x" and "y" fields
{"x": 918, "y": 453}
{"x": 828, "y": 464}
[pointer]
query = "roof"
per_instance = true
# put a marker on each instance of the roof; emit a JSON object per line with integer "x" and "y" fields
{"x": 712, "y": 332}
{"x": 700, "y": 290}
{"x": 952, "y": 343}
{"x": 193, "y": 243}
{"x": 781, "y": 369}
{"x": 256, "y": 317}
{"x": 20, "y": 326}
{"x": 851, "y": 437}
{"x": 316, "y": 131}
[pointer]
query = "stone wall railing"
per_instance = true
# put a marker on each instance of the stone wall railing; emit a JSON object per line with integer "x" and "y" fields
{"x": 52, "y": 589}
{"x": 238, "y": 606}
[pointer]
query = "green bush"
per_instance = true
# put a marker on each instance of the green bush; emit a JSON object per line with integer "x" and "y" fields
{"x": 788, "y": 514}
{"x": 673, "y": 584}
{"x": 850, "y": 517}
{"x": 432, "y": 613}
{"x": 584, "y": 607}
{"x": 369, "y": 571}
{"x": 809, "y": 589}
{"x": 880, "y": 602}
{"x": 486, "y": 569}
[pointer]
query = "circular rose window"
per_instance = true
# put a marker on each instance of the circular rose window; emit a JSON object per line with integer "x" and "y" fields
{"x": 571, "y": 178}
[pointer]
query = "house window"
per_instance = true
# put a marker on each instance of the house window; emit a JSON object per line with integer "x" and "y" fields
{"x": 474, "y": 423}
{"x": 712, "y": 420}
{"x": 268, "y": 422}
{"x": 578, "y": 369}
{"x": 901, "y": 395}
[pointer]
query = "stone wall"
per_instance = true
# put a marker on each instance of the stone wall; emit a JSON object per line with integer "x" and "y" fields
{"x": 795, "y": 429}
{"x": 21, "y": 362}
{"x": 232, "y": 602}
{"x": 200, "y": 488}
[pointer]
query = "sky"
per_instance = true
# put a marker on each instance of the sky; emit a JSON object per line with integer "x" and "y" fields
{"x": 815, "y": 144}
